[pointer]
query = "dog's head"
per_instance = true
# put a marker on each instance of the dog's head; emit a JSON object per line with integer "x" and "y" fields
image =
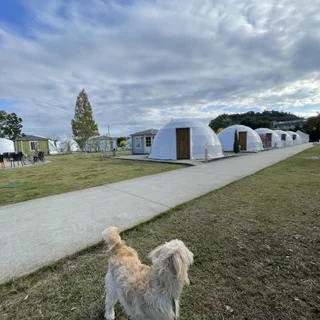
{"x": 172, "y": 260}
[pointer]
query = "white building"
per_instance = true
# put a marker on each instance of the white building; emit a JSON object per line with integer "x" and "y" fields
{"x": 249, "y": 140}
{"x": 185, "y": 139}
{"x": 286, "y": 139}
{"x": 269, "y": 138}
{"x": 6, "y": 145}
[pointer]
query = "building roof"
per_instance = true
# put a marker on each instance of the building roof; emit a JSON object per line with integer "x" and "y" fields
{"x": 145, "y": 132}
{"x": 31, "y": 138}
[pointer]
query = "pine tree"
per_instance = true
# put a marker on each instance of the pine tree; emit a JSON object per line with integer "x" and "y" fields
{"x": 236, "y": 148}
{"x": 83, "y": 125}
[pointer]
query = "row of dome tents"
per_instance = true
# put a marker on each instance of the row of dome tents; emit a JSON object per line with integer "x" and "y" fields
{"x": 190, "y": 139}
{"x": 28, "y": 144}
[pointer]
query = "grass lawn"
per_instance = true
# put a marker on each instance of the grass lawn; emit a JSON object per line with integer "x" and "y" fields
{"x": 72, "y": 172}
{"x": 257, "y": 254}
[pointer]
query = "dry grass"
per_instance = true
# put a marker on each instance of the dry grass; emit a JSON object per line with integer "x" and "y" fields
{"x": 72, "y": 172}
{"x": 256, "y": 244}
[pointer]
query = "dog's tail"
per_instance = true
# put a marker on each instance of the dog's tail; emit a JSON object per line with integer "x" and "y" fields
{"x": 112, "y": 237}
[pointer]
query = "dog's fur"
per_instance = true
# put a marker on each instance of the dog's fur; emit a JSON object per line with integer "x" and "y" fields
{"x": 146, "y": 293}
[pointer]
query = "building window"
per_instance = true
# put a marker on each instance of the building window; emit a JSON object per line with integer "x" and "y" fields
{"x": 34, "y": 145}
{"x": 294, "y": 137}
{"x": 148, "y": 141}
{"x": 283, "y": 137}
{"x": 138, "y": 144}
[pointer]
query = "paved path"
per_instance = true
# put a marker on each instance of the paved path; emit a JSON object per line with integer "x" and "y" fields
{"x": 37, "y": 232}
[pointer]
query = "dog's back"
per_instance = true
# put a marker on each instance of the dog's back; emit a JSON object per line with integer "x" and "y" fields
{"x": 145, "y": 292}
{"x": 126, "y": 272}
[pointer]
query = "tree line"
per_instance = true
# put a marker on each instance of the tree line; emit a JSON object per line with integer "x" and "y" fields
{"x": 266, "y": 119}
{"x": 252, "y": 119}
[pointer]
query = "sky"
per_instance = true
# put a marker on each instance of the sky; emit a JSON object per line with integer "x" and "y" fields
{"x": 144, "y": 62}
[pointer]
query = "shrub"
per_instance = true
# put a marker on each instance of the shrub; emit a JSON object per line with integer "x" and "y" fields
{"x": 236, "y": 148}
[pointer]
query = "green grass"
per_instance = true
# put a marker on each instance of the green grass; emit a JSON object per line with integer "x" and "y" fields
{"x": 72, "y": 172}
{"x": 256, "y": 244}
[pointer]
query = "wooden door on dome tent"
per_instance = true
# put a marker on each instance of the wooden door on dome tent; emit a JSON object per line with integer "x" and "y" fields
{"x": 268, "y": 140}
{"x": 243, "y": 140}
{"x": 183, "y": 143}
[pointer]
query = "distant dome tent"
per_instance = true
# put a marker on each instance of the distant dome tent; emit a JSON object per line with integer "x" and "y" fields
{"x": 101, "y": 143}
{"x": 296, "y": 139}
{"x": 303, "y": 136}
{"x": 6, "y": 145}
{"x": 185, "y": 139}
{"x": 67, "y": 144}
{"x": 269, "y": 138}
{"x": 286, "y": 139}
{"x": 249, "y": 140}
{"x": 52, "y": 147}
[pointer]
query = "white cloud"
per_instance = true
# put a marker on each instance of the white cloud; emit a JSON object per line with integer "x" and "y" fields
{"x": 147, "y": 62}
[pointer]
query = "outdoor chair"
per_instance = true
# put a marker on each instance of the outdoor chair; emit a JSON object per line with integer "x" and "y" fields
{"x": 2, "y": 161}
{"x": 18, "y": 157}
{"x": 5, "y": 155}
{"x": 41, "y": 156}
{"x": 11, "y": 158}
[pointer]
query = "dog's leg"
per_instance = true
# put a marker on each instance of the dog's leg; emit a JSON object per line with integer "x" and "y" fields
{"x": 111, "y": 297}
{"x": 176, "y": 309}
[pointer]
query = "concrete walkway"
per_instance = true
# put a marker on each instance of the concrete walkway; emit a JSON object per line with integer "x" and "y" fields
{"x": 38, "y": 232}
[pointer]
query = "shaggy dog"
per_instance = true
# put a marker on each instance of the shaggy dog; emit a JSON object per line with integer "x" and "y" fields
{"x": 146, "y": 293}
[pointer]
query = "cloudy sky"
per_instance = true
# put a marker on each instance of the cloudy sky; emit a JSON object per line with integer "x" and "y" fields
{"x": 144, "y": 62}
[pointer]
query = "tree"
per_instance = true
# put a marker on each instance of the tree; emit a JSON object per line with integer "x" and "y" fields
{"x": 222, "y": 121}
{"x": 252, "y": 119}
{"x": 83, "y": 125}
{"x": 312, "y": 127}
{"x": 236, "y": 148}
{"x": 10, "y": 125}
{"x": 119, "y": 140}
{"x": 122, "y": 143}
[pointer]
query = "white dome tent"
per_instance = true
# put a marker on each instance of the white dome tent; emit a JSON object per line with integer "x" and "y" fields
{"x": 285, "y": 138}
{"x": 67, "y": 144}
{"x": 303, "y": 136}
{"x": 296, "y": 139}
{"x": 249, "y": 140}
{"x": 52, "y": 147}
{"x": 101, "y": 143}
{"x": 269, "y": 138}
{"x": 185, "y": 139}
{"x": 6, "y": 145}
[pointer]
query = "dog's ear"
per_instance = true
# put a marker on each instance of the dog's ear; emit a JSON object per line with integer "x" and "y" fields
{"x": 174, "y": 264}
{"x": 178, "y": 266}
